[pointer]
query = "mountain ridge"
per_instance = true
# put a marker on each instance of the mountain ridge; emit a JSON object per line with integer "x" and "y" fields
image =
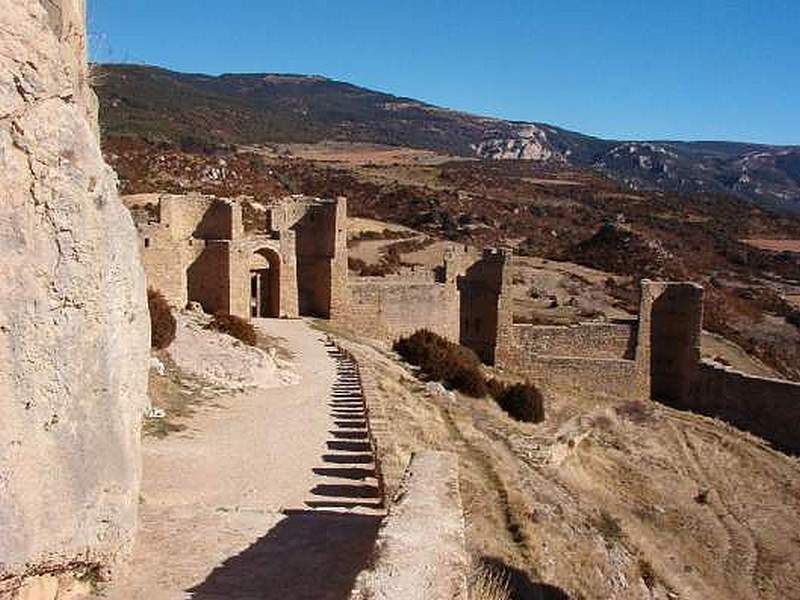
{"x": 262, "y": 108}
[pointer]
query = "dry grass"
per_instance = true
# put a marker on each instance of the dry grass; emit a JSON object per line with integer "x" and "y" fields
{"x": 573, "y": 520}
{"x": 489, "y": 584}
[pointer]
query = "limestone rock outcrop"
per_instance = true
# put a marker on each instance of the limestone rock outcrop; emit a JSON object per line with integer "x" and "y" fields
{"x": 74, "y": 329}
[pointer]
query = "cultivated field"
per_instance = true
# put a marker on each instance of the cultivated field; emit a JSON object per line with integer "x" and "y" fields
{"x": 775, "y": 245}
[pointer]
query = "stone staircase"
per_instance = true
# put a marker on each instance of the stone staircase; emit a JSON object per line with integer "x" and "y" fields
{"x": 348, "y": 480}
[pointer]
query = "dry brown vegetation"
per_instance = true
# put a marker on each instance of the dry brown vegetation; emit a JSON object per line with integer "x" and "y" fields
{"x": 544, "y": 210}
{"x": 489, "y": 585}
{"x": 162, "y": 321}
{"x": 439, "y": 359}
{"x": 602, "y": 499}
{"x": 234, "y": 326}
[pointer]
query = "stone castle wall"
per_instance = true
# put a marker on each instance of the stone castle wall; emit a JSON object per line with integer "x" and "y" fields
{"x": 322, "y": 258}
{"x": 670, "y": 330}
{"x": 195, "y": 249}
{"x": 388, "y": 310}
{"x": 584, "y": 377}
{"x": 74, "y": 329}
{"x": 595, "y": 340}
{"x": 769, "y": 408}
{"x": 485, "y": 309}
{"x": 585, "y": 359}
{"x": 198, "y": 216}
{"x": 180, "y": 249}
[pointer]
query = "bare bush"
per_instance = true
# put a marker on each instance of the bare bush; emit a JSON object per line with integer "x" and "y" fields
{"x": 235, "y": 327}
{"x": 162, "y": 321}
{"x": 441, "y": 360}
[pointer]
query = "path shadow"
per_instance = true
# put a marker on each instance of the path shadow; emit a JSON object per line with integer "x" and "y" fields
{"x": 521, "y": 586}
{"x": 310, "y": 555}
{"x": 344, "y": 459}
{"x": 342, "y": 504}
{"x": 315, "y": 554}
{"x": 353, "y": 424}
{"x": 350, "y": 435}
{"x": 341, "y": 490}
{"x": 345, "y": 472}
{"x": 346, "y": 446}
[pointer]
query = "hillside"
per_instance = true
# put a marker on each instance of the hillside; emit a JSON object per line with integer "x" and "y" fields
{"x": 197, "y": 109}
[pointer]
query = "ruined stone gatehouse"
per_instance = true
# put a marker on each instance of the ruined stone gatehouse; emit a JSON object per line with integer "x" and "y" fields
{"x": 292, "y": 263}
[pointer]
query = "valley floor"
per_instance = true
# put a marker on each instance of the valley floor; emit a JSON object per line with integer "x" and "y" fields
{"x": 258, "y": 498}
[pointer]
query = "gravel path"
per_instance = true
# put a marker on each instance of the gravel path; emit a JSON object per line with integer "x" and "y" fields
{"x": 266, "y": 495}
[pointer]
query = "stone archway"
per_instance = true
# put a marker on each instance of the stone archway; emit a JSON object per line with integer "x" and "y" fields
{"x": 265, "y": 287}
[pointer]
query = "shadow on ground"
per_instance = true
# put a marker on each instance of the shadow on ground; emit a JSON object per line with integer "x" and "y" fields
{"x": 316, "y": 554}
{"x": 521, "y": 586}
{"x": 309, "y": 555}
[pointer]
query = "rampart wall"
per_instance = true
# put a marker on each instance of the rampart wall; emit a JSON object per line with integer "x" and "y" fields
{"x": 584, "y": 377}
{"x": 485, "y": 306}
{"x": 585, "y": 359}
{"x": 388, "y": 310}
{"x": 420, "y": 552}
{"x": 209, "y": 277}
{"x": 593, "y": 340}
{"x": 769, "y": 408}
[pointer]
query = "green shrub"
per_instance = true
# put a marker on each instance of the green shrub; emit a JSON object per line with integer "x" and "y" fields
{"x": 522, "y": 401}
{"x": 234, "y": 326}
{"x": 162, "y": 322}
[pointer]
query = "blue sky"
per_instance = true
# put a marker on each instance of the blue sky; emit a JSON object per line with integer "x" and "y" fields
{"x": 682, "y": 69}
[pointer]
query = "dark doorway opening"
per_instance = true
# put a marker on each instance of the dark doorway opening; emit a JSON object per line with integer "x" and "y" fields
{"x": 265, "y": 288}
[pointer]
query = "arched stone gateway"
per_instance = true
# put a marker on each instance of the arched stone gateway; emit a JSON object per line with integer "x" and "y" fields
{"x": 195, "y": 248}
{"x": 265, "y": 284}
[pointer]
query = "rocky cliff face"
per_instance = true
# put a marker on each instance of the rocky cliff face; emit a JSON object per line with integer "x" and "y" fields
{"x": 74, "y": 331}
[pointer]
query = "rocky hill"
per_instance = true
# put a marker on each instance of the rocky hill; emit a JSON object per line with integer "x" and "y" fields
{"x": 262, "y": 108}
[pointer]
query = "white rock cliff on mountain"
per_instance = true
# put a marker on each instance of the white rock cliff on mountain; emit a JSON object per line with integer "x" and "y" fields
{"x": 528, "y": 142}
{"x": 74, "y": 329}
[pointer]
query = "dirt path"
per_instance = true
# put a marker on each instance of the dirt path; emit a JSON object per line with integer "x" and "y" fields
{"x": 266, "y": 495}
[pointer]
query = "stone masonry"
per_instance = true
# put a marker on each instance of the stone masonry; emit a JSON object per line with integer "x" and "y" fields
{"x": 195, "y": 249}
